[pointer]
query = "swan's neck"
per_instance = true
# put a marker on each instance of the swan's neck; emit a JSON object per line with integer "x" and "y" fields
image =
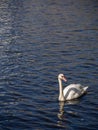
{"x": 61, "y": 95}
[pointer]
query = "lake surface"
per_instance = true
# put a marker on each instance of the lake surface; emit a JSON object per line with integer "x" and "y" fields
{"x": 38, "y": 40}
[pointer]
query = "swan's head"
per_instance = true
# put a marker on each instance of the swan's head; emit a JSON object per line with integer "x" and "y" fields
{"x": 62, "y": 77}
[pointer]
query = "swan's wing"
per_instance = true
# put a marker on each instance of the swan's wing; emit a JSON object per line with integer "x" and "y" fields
{"x": 77, "y": 86}
{"x": 73, "y": 91}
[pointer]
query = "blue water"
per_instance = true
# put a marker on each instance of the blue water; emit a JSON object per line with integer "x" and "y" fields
{"x": 38, "y": 40}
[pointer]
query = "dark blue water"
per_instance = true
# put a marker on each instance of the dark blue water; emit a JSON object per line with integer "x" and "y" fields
{"x": 38, "y": 40}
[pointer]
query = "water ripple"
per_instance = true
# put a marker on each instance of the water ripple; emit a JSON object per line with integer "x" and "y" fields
{"x": 39, "y": 40}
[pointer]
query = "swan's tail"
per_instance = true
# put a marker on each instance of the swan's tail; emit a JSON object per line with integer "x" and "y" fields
{"x": 85, "y": 88}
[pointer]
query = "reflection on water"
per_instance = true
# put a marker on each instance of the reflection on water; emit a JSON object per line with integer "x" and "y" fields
{"x": 39, "y": 40}
{"x": 61, "y": 109}
{"x": 64, "y": 112}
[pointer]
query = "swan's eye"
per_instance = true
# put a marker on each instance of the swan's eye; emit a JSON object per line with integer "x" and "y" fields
{"x": 62, "y": 76}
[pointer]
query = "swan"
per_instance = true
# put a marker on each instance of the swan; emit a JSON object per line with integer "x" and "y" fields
{"x": 70, "y": 92}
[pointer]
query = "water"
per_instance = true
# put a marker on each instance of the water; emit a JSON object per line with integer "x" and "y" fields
{"x": 39, "y": 40}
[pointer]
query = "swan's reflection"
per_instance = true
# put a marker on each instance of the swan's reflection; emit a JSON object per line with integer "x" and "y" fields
{"x": 72, "y": 102}
{"x": 63, "y": 119}
{"x": 61, "y": 110}
{"x": 61, "y": 107}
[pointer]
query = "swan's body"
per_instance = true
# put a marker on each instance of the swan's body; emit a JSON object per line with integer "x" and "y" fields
{"x": 70, "y": 92}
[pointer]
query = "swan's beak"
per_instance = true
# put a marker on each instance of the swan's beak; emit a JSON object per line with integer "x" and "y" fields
{"x": 64, "y": 79}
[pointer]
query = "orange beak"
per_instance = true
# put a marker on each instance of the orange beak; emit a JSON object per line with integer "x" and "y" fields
{"x": 64, "y": 79}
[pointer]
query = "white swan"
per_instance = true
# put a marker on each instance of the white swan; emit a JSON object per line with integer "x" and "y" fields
{"x": 70, "y": 92}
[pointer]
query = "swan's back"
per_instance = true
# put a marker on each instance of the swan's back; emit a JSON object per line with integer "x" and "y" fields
{"x": 73, "y": 91}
